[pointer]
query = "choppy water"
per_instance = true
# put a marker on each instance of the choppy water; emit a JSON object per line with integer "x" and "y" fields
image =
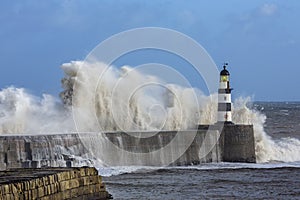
{"x": 276, "y": 180}
{"x": 283, "y": 119}
{"x": 193, "y": 183}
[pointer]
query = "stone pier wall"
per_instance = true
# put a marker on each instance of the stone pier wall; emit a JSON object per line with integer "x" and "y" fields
{"x": 52, "y": 184}
{"x": 231, "y": 143}
{"x": 187, "y": 147}
{"x": 36, "y": 151}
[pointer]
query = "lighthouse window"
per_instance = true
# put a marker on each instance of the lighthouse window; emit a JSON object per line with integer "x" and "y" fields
{"x": 224, "y": 78}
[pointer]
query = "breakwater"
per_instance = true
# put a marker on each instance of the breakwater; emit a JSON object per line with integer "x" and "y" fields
{"x": 231, "y": 143}
{"x": 36, "y": 151}
{"x": 52, "y": 184}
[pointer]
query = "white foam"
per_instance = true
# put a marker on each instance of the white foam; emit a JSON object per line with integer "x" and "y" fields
{"x": 267, "y": 149}
{"x": 114, "y": 171}
{"x": 21, "y": 112}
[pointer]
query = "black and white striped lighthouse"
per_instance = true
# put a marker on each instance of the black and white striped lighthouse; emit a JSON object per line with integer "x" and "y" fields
{"x": 224, "y": 97}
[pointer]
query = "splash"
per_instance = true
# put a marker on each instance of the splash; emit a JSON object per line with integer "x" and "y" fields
{"x": 267, "y": 149}
{"x": 104, "y": 104}
{"x": 126, "y": 99}
{"x": 21, "y": 112}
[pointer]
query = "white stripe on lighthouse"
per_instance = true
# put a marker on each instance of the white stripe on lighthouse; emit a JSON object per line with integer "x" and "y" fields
{"x": 224, "y": 98}
{"x": 223, "y": 85}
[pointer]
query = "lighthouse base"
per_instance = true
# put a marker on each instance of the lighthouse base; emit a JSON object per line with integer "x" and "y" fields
{"x": 238, "y": 143}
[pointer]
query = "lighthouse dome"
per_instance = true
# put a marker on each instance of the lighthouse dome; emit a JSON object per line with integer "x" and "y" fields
{"x": 224, "y": 72}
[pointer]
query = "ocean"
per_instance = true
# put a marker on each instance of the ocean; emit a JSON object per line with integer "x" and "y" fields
{"x": 272, "y": 179}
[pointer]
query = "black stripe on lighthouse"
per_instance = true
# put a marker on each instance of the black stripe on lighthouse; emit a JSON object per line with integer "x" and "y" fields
{"x": 224, "y": 91}
{"x": 224, "y": 106}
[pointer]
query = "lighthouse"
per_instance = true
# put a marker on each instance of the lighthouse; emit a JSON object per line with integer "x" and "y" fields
{"x": 224, "y": 97}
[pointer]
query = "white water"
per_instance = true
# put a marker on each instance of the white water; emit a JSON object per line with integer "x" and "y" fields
{"x": 113, "y": 171}
{"x": 21, "y": 112}
{"x": 120, "y": 104}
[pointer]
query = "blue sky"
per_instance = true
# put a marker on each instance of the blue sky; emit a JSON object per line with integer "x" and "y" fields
{"x": 260, "y": 39}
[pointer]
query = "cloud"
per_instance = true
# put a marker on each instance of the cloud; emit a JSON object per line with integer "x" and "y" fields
{"x": 268, "y": 9}
{"x": 261, "y": 12}
{"x": 258, "y": 19}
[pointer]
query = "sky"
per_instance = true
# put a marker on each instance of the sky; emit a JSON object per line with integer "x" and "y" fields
{"x": 260, "y": 39}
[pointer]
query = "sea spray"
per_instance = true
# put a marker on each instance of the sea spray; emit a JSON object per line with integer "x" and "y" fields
{"x": 21, "y": 112}
{"x": 120, "y": 100}
{"x": 101, "y": 106}
{"x": 266, "y": 148}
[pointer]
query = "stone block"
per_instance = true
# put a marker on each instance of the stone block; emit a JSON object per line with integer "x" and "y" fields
{"x": 41, "y": 191}
{"x": 75, "y": 192}
{"x": 86, "y": 189}
{"x": 8, "y": 197}
{"x": 3, "y": 157}
{"x": 13, "y": 188}
{"x": 83, "y": 172}
{"x": 3, "y": 145}
{"x": 12, "y": 144}
{"x": 46, "y": 180}
{"x": 66, "y": 194}
{"x": 57, "y": 187}
{"x": 13, "y": 156}
{"x": 14, "y": 164}
{"x": 97, "y": 187}
{"x": 39, "y": 182}
{"x": 2, "y": 190}
{"x": 27, "y": 194}
{"x": 91, "y": 180}
{"x": 75, "y": 174}
{"x": 26, "y": 164}
{"x": 32, "y": 184}
{"x": 64, "y": 185}
{"x": 64, "y": 176}
{"x": 6, "y": 189}
{"x": 51, "y": 179}
{"x": 3, "y": 166}
{"x": 48, "y": 188}
{"x": 74, "y": 183}
{"x": 34, "y": 194}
